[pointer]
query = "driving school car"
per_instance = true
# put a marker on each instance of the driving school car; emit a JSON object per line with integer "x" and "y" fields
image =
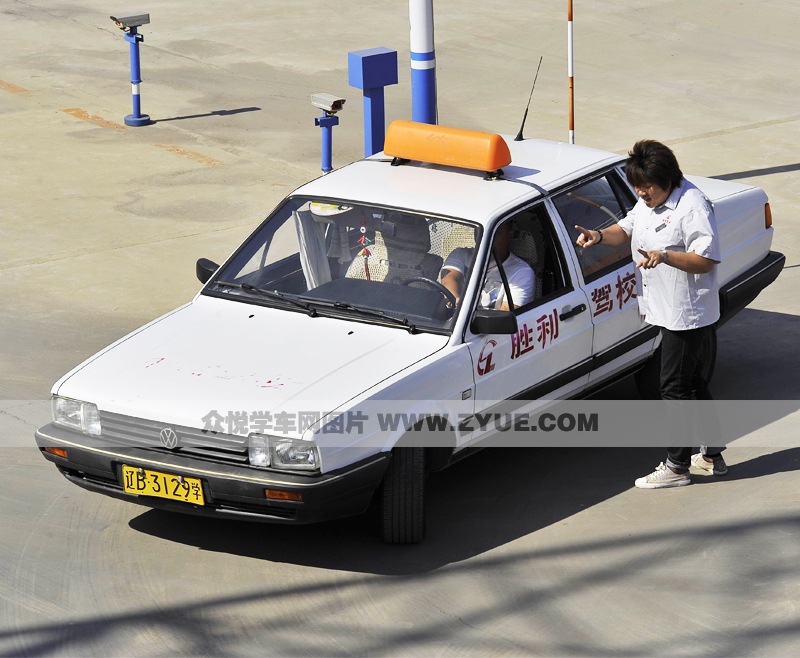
{"x": 324, "y": 364}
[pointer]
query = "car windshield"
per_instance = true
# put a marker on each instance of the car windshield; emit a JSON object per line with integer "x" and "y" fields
{"x": 370, "y": 263}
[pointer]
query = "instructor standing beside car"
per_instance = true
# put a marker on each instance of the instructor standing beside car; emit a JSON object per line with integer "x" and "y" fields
{"x": 675, "y": 245}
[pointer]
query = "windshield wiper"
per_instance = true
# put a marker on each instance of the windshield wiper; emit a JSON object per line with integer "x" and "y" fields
{"x": 272, "y": 294}
{"x": 366, "y": 311}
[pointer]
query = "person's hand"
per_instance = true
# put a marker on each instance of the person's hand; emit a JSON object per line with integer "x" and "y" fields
{"x": 650, "y": 259}
{"x": 586, "y": 237}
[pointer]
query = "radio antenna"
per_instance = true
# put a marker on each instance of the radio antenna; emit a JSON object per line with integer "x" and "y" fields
{"x": 518, "y": 138}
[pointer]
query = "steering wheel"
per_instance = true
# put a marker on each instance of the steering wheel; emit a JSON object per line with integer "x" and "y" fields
{"x": 449, "y": 296}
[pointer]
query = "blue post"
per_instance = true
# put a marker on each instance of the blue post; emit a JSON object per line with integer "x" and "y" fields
{"x": 374, "y": 120}
{"x": 372, "y": 70}
{"x": 327, "y": 121}
{"x": 137, "y": 118}
{"x": 423, "y": 90}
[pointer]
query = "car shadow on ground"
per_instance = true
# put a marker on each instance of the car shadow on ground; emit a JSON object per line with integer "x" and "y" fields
{"x": 757, "y": 357}
{"x": 495, "y": 497}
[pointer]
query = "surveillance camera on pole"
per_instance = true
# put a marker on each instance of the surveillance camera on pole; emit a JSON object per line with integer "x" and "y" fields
{"x": 328, "y": 102}
{"x": 130, "y": 22}
{"x": 330, "y": 105}
{"x": 127, "y": 21}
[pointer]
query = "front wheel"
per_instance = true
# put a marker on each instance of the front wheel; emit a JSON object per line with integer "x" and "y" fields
{"x": 648, "y": 379}
{"x": 403, "y": 492}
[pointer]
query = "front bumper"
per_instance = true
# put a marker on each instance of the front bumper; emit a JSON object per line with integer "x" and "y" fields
{"x": 230, "y": 490}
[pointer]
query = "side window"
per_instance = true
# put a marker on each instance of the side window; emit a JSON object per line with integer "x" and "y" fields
{"x": 517, "y": 273}
{"x": 625, "y": 194}
{"x": 535, "y": 266}
{"x": 597, "y": 204}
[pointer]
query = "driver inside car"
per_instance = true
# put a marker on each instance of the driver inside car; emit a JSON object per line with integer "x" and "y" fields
{"x": 521, "y": 278}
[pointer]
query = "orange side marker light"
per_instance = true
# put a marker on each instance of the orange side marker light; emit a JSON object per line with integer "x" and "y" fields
{"x": 274, "y": 494}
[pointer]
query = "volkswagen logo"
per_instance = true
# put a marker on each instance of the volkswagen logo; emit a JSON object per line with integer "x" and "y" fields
{"x": 169, "y": 439}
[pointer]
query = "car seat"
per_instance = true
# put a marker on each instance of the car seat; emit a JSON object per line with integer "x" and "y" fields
{"x": 528, "y": 244}
{"x": 400, "y": 251}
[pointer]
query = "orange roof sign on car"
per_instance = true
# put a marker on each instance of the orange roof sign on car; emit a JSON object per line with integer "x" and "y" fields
{"x": 452, "y": 147}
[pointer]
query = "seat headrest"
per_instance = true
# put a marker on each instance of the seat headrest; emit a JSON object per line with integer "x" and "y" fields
{"x": 408, "y": 232}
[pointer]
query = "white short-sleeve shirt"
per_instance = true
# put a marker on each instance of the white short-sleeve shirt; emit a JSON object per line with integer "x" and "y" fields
{"x": 669, "y": 297}
{"x": 520, "y": 277}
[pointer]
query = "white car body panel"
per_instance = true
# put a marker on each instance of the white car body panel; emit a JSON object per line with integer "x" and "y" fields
{"x": 419, "y": 186}
{"x": 213, "y": 355}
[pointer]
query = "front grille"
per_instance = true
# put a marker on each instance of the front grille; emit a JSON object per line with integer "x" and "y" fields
{"x": 205, "y": 444}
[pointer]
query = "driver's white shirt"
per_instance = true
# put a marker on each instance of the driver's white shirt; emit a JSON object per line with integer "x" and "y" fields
{"x": 520, "y": 277}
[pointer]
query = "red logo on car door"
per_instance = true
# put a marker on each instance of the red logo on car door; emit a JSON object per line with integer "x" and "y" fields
{"x": 485, "y": 363}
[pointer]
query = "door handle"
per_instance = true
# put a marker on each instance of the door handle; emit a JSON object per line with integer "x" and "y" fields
{"x": 580, "y": 308}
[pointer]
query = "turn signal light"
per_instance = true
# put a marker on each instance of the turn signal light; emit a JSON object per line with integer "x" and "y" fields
{"x": 58, "y": 452}
{"x": 274, "y": 494}
{"x": 767, "y": 216}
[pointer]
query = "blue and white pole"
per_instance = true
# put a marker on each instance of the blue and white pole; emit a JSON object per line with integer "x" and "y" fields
{"x": 137, "y": 118}
{"x": 423, "y": 62}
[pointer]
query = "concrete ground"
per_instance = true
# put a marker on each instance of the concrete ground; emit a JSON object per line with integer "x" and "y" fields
{"x": 100, "y": 227}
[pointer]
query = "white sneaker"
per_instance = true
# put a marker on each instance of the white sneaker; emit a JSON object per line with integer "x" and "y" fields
{"x": 717, "y": 467}
{"x": 663, "y": 477}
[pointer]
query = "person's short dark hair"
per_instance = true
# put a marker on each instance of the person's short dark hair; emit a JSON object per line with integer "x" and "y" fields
{"x": 650, "y": 161}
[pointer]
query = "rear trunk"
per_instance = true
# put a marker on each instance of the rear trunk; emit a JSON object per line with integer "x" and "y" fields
{"x": 748, "y": 266}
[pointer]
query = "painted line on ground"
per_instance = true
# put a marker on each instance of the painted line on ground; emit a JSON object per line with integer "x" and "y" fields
{"x": 192, "y": 155}
{"x": 12, "y": 88}
{"x": 83, "y": 115}
{"x": 734, "y": 129}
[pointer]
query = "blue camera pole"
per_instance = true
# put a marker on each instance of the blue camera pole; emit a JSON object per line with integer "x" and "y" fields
{"x": 137, "y": 118}
{"x": 327, "y": 121}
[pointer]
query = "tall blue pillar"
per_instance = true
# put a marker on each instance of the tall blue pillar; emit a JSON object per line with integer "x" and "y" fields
{"x": 371, "y": 70}
{"x": 423, "y": 62}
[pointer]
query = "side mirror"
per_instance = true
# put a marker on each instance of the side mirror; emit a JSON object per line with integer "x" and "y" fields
{"x": 204, "y": 269}
{"x": 491, "y": 321}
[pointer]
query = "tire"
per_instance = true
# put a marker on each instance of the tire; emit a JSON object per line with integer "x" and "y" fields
{"x": 403, "y": 491}
{"x": 648, "y": 379}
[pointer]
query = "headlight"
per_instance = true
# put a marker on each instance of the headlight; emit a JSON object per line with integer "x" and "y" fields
{"x": 278, "y": 452}
{"x": 77, "y": 415}
{"x": 259, "y": 451}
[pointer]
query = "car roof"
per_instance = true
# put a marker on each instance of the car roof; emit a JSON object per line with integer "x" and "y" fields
{"x": 537, "y": 167}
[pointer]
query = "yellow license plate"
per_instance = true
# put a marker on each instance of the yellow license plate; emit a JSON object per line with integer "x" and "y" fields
{"x": 162, "y": 485}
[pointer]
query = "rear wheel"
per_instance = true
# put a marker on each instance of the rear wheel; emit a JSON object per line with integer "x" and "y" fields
{"x": 403, "y": 492}
{"x": 648, "y": 379}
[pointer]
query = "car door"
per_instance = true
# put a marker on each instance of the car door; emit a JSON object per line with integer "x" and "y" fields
{"x": 549, "y": 355}
{"x": 607, "y": 273}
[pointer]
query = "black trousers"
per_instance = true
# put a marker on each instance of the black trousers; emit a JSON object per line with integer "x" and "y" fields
{"x": 683, "y": 359}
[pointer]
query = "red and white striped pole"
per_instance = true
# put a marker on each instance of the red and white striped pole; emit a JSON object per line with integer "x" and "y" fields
{"x": 570, "y": 74}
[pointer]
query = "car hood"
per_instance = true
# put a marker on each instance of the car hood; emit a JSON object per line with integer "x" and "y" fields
{"x": 227, "y": 357}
